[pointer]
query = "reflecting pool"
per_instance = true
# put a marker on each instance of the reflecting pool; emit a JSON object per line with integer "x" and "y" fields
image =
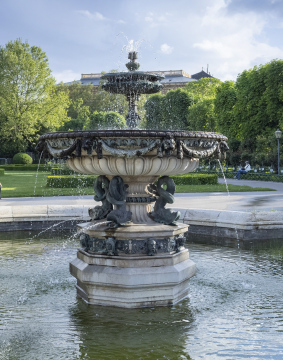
{"x": 234, "y": 310}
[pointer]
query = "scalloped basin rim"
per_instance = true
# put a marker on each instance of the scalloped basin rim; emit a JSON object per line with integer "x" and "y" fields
{"x": 133, "y": 133}
{"x": 132, "y": 73}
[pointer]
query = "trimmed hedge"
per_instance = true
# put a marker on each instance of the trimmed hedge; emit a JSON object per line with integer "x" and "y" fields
{"x": 65, "y": 171}
{"x": 70, "y": 181}
{"x": 2, "y": 172}
{"x": 32, "y": 167}
{"x": 22, "y": 158}
{"x": 195, "y": 179}
{"x": 252, "y": 176}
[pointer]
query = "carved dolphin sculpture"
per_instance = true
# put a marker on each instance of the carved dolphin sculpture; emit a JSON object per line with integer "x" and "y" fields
{"x": 160, "y": 214}
{"x": 117, "y": 196}
{"x": 101, "y": 188}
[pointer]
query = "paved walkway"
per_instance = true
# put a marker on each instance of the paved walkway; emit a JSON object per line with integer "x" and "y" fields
{"x": 248, "y": 201}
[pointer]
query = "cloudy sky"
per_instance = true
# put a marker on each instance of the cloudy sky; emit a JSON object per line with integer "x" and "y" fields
{"x": 90, "y": 36}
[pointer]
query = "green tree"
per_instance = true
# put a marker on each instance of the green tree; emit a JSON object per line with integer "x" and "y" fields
{"x": 273, "y": 94}
{"x": 201, "y": 116}
{"x": 80, "y": 96}
{"x": 30, "y": 102}
{"x": 224, "y": 103}
{"x": 80, "y": 115}
{"x": 105, "y": 120}
{"x": 154, "y": 112}
{"x": 175, "y": 109}
{"x": 259, "y": 105}
{"x": 203, "y": 88}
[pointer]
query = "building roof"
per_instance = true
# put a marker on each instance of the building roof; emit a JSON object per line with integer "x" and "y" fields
{"x": 176, "y": 79}
{"x": 200, "y": 75}
{"x": 170, "y": 77}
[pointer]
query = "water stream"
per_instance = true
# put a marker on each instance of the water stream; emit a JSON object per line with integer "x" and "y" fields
{"x": 35, "y": 183}
{"x": 228, "y": 193}
{"x": 234, "y": 310}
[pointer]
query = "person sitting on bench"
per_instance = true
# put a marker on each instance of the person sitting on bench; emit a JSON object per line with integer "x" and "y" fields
{"x": 244, "y": 170}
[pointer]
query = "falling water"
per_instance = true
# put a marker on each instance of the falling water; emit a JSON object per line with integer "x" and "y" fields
{"x": 37, "y": 173}
{"x": 228, "y": 193}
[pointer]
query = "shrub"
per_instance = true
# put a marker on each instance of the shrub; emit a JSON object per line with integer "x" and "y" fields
{"x": 32, "y": 167}
{"x": 22, "y": 158}
{"x": 2, "y": 172}
{"x": 195, "y": 179}
{"x": 70, "y": 181}
{"x": 60, "y": 171}
{"x": 105, "y": 120}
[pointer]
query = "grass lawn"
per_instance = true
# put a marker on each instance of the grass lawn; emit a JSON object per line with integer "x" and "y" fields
{"x": 217, "y": 188}
{"x": 29, "y": 184}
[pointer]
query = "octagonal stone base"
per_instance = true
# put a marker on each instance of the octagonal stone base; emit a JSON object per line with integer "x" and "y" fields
{"x": 132, "y": 282}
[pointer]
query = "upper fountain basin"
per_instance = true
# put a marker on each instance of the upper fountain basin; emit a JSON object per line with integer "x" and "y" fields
{"x": 133, "y": 152}
{"x": 132, "y": 82}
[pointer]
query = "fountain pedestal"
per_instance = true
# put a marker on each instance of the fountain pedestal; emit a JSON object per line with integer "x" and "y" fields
{"x": 145, "y": 271}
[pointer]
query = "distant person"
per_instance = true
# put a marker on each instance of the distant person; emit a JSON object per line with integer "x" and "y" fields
{"x": 244, "y": 170}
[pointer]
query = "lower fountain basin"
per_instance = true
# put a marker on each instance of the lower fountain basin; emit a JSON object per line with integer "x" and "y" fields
{"x": 42, "y": 318}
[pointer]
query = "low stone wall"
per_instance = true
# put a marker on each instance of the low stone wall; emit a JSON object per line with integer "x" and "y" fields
{"x": 229, "y": 228}
{"x": 233, "y": 228}
{"x": 40, "y": 217}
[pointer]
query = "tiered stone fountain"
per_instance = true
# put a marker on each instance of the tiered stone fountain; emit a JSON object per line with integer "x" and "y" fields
{"x": 133, "y": 252}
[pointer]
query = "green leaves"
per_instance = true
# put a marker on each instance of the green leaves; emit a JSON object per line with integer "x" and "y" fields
{"x": 254, "y": 104}
{"x": 105, "y": 120}
{"x": 168, "y": 111}
{"x": 29, "y": 100}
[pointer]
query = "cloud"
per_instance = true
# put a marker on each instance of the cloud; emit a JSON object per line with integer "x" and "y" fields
{"x": 156, "y": 20}
{"x": 95, "y": 15}
{"x": 260, "y": 6}
{"x": 238, "y": 47}
{"x": 66, "y": 76}
{"x": 149, "y": 17}
{"x": 166, "y": 49}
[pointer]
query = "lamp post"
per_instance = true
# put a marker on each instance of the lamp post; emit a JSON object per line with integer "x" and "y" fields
{"x": 278, "y": 134}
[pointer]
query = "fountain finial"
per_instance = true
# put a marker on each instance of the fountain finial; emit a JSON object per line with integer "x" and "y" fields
{"x": 132, "y": 84}
{"x": 133, "y": 65}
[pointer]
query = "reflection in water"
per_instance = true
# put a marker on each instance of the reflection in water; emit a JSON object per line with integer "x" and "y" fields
{"x": 234, "y": 309}
{"x": 115, "y": 333}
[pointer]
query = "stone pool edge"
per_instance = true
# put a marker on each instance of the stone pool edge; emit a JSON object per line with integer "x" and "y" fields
{"x": 230, "y": 228}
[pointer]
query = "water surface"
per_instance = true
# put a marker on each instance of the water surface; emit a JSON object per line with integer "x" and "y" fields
{"x": 234, "y": 310}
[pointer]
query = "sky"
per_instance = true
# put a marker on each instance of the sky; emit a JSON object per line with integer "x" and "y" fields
{"x": 90, "y": 36}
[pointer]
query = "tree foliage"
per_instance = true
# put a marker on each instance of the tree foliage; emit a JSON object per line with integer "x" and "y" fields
{"x": 175, "y": 109}
{"x": 203, "y": 88}
{"x": 168, "y": 112}
{"x": 105, "y": 120}
{"x": 30, "y": 102}
{"x": 154, "y": 111}
{"x": 254, "y": 104}
{"x": 224, "y": 103}
{"x": 201, "y": 115}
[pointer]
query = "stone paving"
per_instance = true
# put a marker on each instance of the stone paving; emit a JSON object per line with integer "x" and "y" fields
{"x": 247, "y": 201}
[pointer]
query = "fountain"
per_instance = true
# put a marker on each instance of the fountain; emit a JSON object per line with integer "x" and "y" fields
{"x": 132, "y": 251}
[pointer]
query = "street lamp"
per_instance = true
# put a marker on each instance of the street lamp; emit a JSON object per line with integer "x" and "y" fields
{"x": 278, "y": 134}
